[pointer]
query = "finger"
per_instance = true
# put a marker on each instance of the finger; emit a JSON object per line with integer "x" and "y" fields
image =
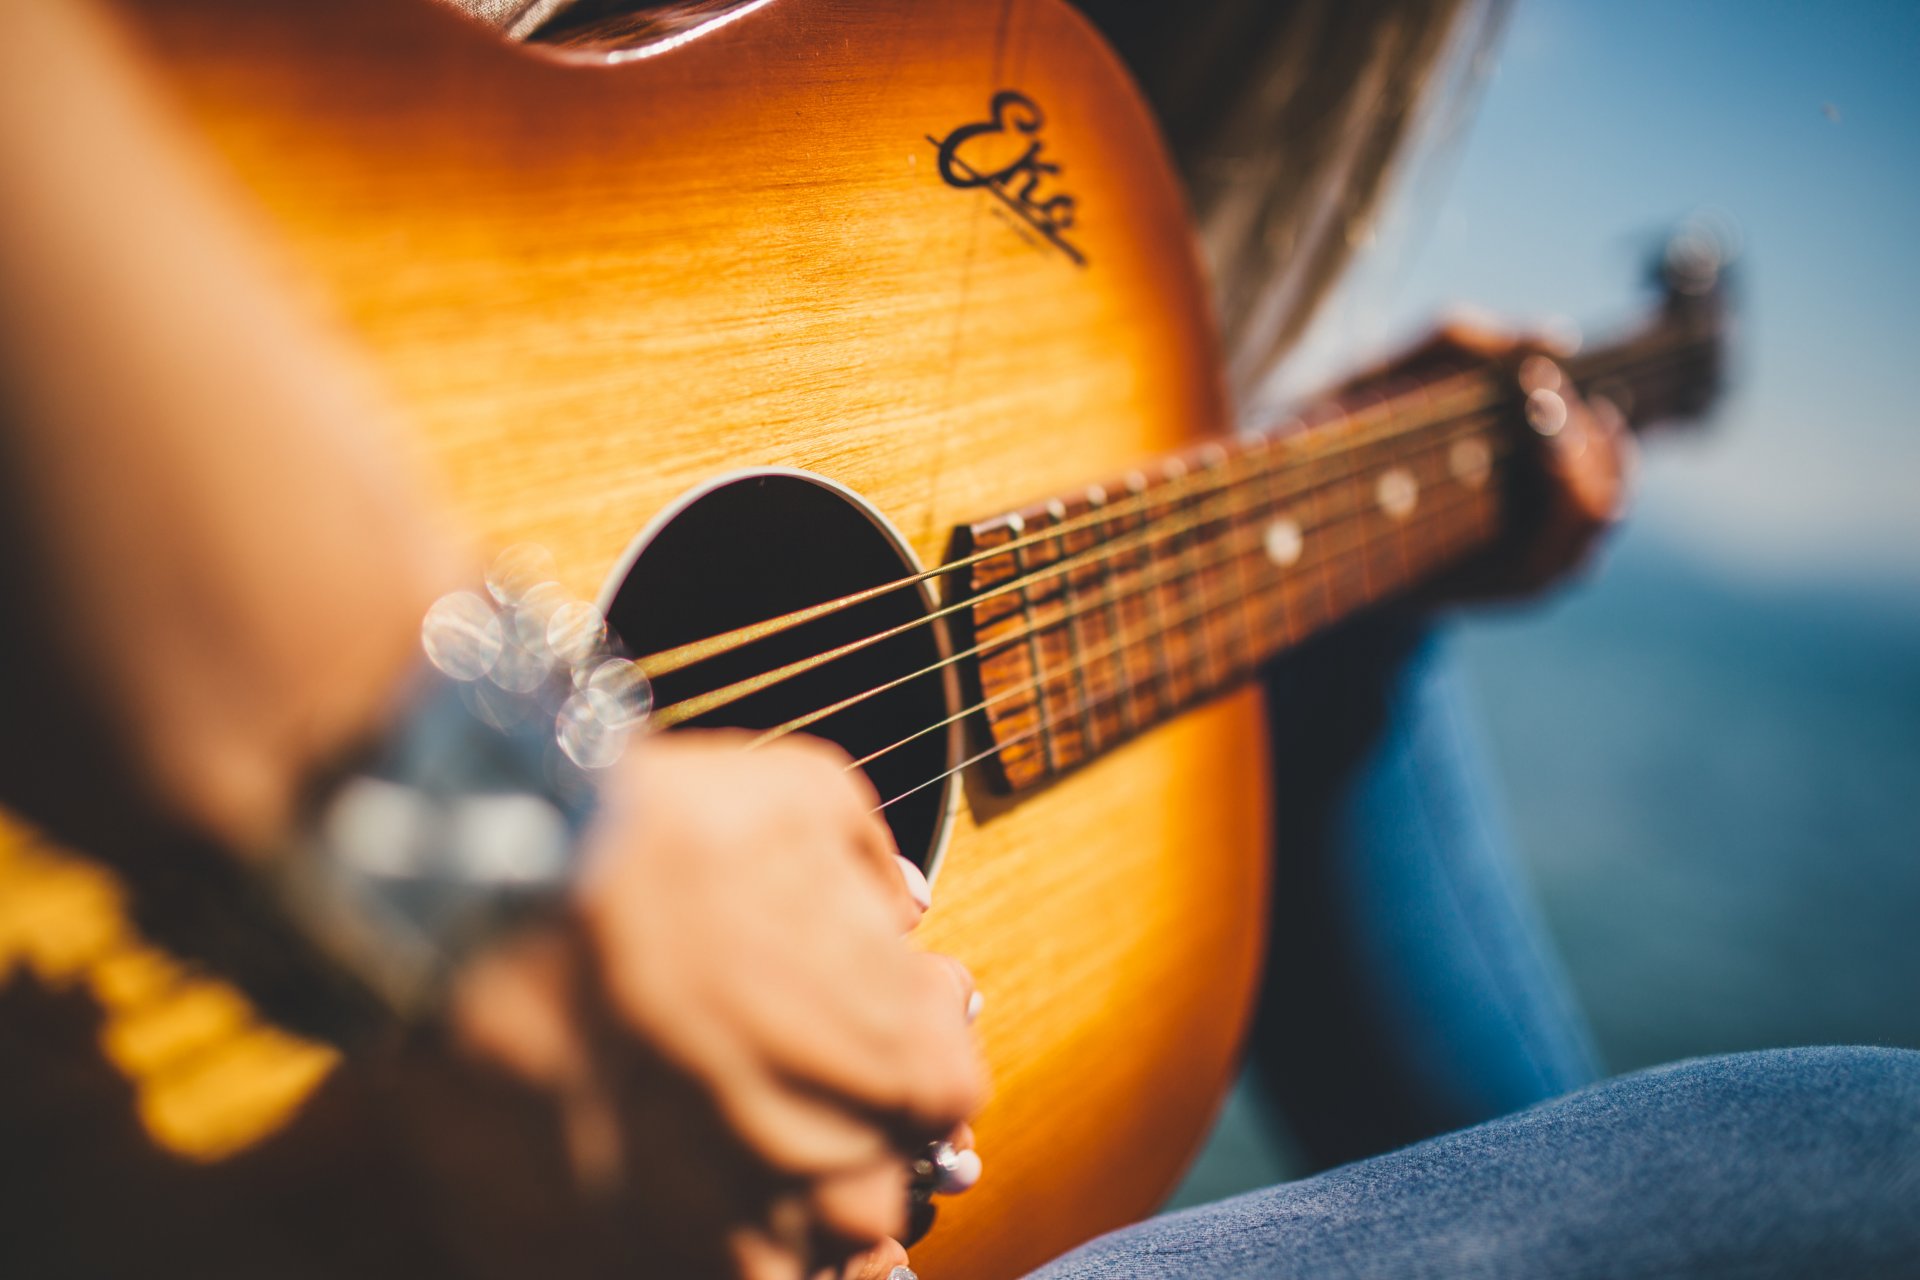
{"x": 904, "y": 1059}
{"x": 1625, "y": 447}
{"x": 918, "y": 887}
{"x": 864, "y": 1051}
{"x": 860, "y": 1207}
{"x": 830, "y": 770}
{"x": 756, "y": 1255}
{"x": 971, "y": 1001}
{"x": 879, "y": 1263}
{"x": 1472, "y": 332}
{"x": 1583, "y": 461}
{"x": 948, "y": 1083}
{"x": 1590, "y": 488}
{"x": 801, "y": 1129}
{"x": 904, "y": 884}
{"x": 1560, "y": 547}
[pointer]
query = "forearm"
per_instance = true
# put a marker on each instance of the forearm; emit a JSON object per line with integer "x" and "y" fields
{"x": 234, "y": 561}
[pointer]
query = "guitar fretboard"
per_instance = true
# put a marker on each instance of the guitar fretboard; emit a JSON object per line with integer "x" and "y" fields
{"x": 1096, "y": 615}
{"x": 1110, "y": 610}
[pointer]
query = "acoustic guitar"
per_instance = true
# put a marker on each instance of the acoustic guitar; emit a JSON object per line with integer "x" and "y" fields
{"x": 856, "y": 354}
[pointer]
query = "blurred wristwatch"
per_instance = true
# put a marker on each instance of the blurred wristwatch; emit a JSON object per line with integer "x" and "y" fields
{"x": 464, "y": 817}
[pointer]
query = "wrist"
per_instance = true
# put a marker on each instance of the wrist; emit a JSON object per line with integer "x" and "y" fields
{"x": 461, "y": 820}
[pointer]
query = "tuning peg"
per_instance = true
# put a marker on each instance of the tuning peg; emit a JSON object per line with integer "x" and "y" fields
{"x": 1694, "y": 260}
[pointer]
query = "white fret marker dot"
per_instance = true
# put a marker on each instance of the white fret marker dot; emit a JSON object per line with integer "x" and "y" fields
{"x": 1546, "y": 411}
{"x": 1538, "y": 373}
{"x": 1283, "y": 542}
{"x": 1397, "y": 492}
{"x": 1471, "y": 461}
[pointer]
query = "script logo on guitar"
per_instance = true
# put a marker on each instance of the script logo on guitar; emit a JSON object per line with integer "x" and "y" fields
{"x": 1024, "y": 185}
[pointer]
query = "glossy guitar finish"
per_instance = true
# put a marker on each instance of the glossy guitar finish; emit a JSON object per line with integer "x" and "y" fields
{"x": 596, "y": 287}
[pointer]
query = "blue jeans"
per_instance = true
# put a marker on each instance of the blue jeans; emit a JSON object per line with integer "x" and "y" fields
{"x": 1411, "y": 992}
{"x": 1789, "y": 1163}
{"x": 1411, "y": 988}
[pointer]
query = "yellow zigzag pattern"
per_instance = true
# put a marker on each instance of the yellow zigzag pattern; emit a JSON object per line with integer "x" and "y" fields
{"x": 211, "y": 1076}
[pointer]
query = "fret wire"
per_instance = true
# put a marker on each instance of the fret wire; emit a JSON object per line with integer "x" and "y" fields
{"x": 1165, "y": 699}
{"x": 1153, "y": 570}
{"x": 1355, "y": 489}
{"x": 1164, "y": 563}
{"x": 1321, "y": 501}
{"x": 1252, "y": 634}
{"x": 1049, "y": 748}
{"x": 1270, "y": 624}
{"x": 1291, "y": 508}
{"x": 1402, "y": 540}
{"x": 1089, "y": 732}
{"x": 1097, "y": 623}
{"x": 1238, "y": 648}
{"x": 1204, "y": 678}
{"x": 1317, "y": 501}
{"x": 1129, "y": 711}
{"x": 1351, "y": 488}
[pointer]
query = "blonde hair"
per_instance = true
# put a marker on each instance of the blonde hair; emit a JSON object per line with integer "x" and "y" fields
{"x": 1287, "y": 121}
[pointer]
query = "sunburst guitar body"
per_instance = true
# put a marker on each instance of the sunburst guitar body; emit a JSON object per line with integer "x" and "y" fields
{"x": 759, "y": 312}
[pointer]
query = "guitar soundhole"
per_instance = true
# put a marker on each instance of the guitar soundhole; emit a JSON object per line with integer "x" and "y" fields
{"x": 769, "y": 544}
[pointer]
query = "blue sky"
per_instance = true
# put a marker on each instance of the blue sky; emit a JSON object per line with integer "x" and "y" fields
{"x": 1603, "y": 123}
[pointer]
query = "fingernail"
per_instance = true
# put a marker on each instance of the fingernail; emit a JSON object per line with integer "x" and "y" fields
{"x": 902, "y": 1273}
{"x": 916, "y": 883}
{"x": 959, "y": 1170}
{"x": 975, "y": 1003}
{"x": 963, "y": 979}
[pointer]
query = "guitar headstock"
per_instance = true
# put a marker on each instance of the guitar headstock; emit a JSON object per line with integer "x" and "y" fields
{"x": 1672, "y": 367}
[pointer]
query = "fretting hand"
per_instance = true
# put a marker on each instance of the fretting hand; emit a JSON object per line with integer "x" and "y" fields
{"x": 1585, "y": 469}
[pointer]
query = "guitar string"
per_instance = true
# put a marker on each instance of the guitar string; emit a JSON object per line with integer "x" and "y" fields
{"x": 1255, "y": 449}
{"x": 1044, "y": 722}
{"x": 726, "y": 695}
{"x": 1172, "y": 574}
{"x": 1586, "y": 371}
{"x": 1253, "y": 455}
{"x": 714, "y": 699}
{"x": 1080, "y": 609}
{"x": 1122, "y": 642}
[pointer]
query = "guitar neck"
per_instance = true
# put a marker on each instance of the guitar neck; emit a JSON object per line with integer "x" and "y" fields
{"x": 1095, "y": 615}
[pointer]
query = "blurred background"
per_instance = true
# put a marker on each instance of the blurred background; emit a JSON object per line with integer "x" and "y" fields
{"x": 1710, "y": 750}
